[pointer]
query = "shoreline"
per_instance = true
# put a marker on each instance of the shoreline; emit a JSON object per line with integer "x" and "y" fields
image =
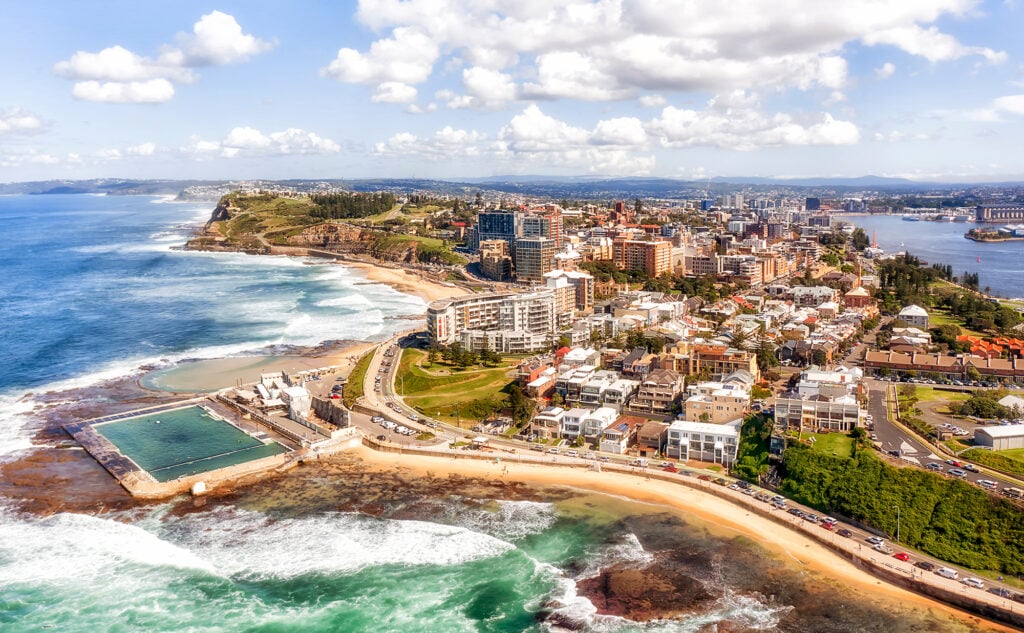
{"x": 405, "y": 280}
{"x": 780, "y": 539}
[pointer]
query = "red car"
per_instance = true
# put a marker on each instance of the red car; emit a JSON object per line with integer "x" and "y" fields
{"x": 903, "y": 556}
{"x": 671, "y": 468}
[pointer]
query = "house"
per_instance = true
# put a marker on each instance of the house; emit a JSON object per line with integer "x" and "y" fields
{"x": 595, "y": 424}
{"x": 548, "y": 423}
{"x": 620, "y": 435}
{"x": 658, "y": 392}
{"x": 714, "y": 443}
{"x": 572, "y": 423}
{"x": 818, "y": 413}
{"x": 716, "y": 402}
{"x": 914, "y": 315}
{"x": 650, "y": 436}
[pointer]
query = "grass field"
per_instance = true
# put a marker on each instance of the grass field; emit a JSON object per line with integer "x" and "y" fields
{"x": 1016, "y": 454}
{"x": 447, "y": 393}
{"x": 937, "y": 317}
{"x": 354, "y": 386}
{"x": 931, "y": 394}
{"x": 832, "y": 443}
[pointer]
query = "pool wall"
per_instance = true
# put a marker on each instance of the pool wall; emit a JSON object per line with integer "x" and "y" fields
{"x": 142, "y": 485}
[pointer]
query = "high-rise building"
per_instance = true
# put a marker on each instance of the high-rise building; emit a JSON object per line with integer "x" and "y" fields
{"x": 534, "y": 256}
{"x": 496, "y": 260}
{"x": 499, "y": 225}
{"x": 502, "y": 321}
{"x": 653, "y": 258}
{"x": 812, "y": 204}
{"x": 547, "y": 223}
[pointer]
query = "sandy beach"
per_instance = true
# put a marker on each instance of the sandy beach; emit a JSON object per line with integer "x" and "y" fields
{"x": 407, "y": 281}
{"x": 774, "y": 537}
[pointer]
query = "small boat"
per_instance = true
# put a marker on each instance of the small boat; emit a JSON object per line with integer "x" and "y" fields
{"x": 911, "y": 218}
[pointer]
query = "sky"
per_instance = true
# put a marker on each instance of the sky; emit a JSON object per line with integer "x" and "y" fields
{"x": 930, "y": 90}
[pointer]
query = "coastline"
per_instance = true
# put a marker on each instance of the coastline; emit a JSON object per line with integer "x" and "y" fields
{"x": 405, "y": 280}
{"x": 779, "y": 539}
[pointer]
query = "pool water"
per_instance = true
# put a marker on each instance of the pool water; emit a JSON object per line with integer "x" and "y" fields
{"x": 181, "y": 442}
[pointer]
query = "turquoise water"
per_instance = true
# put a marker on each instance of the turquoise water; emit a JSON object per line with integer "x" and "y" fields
{"x": 181, "y": 442}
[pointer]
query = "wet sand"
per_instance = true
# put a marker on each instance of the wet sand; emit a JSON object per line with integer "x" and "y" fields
{"x": 406, "y": 281}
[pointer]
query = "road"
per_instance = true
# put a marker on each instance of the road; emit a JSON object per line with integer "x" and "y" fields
{"x": 894, "y": 440}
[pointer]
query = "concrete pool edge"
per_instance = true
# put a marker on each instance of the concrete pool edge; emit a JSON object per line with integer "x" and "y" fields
{"x": 140, "y": 484}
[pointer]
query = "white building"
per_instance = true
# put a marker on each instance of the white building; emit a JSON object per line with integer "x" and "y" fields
{"x": 716, "y": 402}
{"x": 818, "y": 413}
{"x": 616, "y": 438}
{"x": 572, "y": 422}
{"x": 595, "y": 423}
{"x": 714, "y": 443}
{"x": 915, "y": 316}
{"x": 526, "y": 321}
{"x": 299, "y": 402}
{"x": 1000, "y": 438}
{"x": 548, "y": 423}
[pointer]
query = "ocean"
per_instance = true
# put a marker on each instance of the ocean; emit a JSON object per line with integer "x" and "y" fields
{"x": 998, "y": 264}
{"x": 94, "y": 291}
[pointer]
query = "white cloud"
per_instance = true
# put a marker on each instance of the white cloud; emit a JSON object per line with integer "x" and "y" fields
{"x": 152, "y": 91}
{"x": 394, "y": 92}
{"x": 20, "y": 158}
{"x": 412, "y": 108}
{"x": 247, "y": 141}
{"x": 652, "y": 101}
{"x": 735, "y": 121}
{"x": 931, "y": 44}
{"x": 17, "y": 121}
{"x": 623, "y": 131}
{"x": 142, "y": 149}
{"x": 446, "y": 143}
{"x": 118, "y": 75}
{"x": 886, "y": 70}
{"x": 996, "y": 110}
{"x": 217, "y": 39}
{"x": 612, "y": 49}
{"x": 407, "y": 57}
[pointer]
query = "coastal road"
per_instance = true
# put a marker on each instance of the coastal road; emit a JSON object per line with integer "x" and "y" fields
{"x": 896, "y": 441}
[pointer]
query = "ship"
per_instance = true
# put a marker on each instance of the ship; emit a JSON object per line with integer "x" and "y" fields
{"x": 961, "y": 218}
{"x": 911, "y": 218}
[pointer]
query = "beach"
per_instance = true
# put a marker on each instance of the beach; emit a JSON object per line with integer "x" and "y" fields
{"x": 406, "y": 280}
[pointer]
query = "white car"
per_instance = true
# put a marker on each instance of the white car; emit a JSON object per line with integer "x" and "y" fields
{"x": 970, "y": 581}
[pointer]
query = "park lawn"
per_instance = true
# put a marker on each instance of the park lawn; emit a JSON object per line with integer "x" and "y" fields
{"x": 931, "y": 394}
{"x": 450, "y": 394}
{"x": 838, "y": 444}
{"x": 939, "y": 317}
{"x": 356, "y": 379}
{"x": 1016, "y": 454}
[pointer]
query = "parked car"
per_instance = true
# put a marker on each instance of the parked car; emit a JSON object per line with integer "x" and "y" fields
{"x": 948, "y": 572}
{"x": 670, "y": 468}
{"x": 903, "y": 556}
{"x": 925, "y": 565}
{"x": 572, "y": 453}
{"x": 971, "y": 467}
{"x": 971, "y": 581}
{"x": 874, "y": 540}
{"x": 553, "y": 450}
{"x": 845, "y": 533}
{"x": 956, "y": 472}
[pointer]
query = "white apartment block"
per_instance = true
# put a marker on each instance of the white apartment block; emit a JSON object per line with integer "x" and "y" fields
{"x": 535, "y": 318}
{"x": 818, "y": 413}
{"x": 713, "y": 443}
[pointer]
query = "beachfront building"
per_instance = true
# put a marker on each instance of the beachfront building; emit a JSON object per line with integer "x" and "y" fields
{"x": 547, "y": 424}
{"x": 619, "y": 436}
{"x": 658, "y": 392}
{"x": 819, "y": 413}
{"x": 505, "y": 322}
{"x": 596, "y": 422}
{"x": 572, "y": 423}
{"x": 716, "y": 402}
{"x": 712, "y": 443}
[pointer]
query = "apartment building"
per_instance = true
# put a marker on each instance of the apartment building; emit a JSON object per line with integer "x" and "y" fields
{"x": 819, "y": 413}
{"x": 582, "y": 284}
{"x": 496, "y": 260}
{"x": 658, "y": 392}
{"x": 716, "y": 402}
{"x": 548, "y": 423}
{"x": 535, "y": 256}
{"x": 526, "y": 320}
{"x": 654, "y": 258}
{"x": 712, "y": 443}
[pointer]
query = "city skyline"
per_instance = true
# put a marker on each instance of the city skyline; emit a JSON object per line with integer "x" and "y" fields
{"x": 448, "y": 88}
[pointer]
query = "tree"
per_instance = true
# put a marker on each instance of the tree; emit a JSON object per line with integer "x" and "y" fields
{"x": 819, "y": 357}
{"x": 520, "y": 405}
{"x": 557, "y": 400}
{"x": 859, "y": 239}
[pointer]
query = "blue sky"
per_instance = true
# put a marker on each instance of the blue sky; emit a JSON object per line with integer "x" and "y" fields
{"x": 930, "y": 90}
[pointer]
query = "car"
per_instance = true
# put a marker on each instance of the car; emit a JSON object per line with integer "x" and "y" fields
{"x": 335, "y": 396}
{"x": 664, "y": 464}
{"x": 845, "y": 533}
{"x": 735, "y": 487}
{"x": 971, "y": 581}
{"x": 903, "y": 556}
{"x": 874, "y": 437}
{"x": 377, "y": 419}
{"x": 603, "y": 458}
{"x": 895, "y": 453}
{"x": 572, "y": 453}
{"x": 382, "y": 438}
{"x": 810, "y": 516}
{"x": 971, "y": 467}
{"x": 704, "y": 477}
{"x": 553, "y": 450}
{"x": 1002, "y": 592}
{"x": 536, "y": 447}
{"x": 933, "y": 466}
{"x": 882, "y": 547}
{"x": 797, "y": 512}
{"x": 956, "y": 472}
{"x": 721, "y": 481}
{"x": 925, "y": 565}
{"x": 589, "y": 455}
{"x": 874, "y": 540}
{"x": 826, "y": 526}
{"x": 988, "y": 483}
{"x": 670, "y": 468}
{"x": 953, "y": 463}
